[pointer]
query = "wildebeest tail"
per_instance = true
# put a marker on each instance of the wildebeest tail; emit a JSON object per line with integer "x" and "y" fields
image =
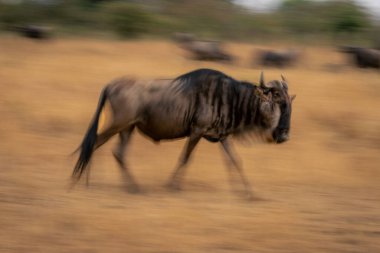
{"x": 87, "y": 146}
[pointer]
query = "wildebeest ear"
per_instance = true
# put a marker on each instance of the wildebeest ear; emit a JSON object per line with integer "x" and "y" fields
{"x": 292, "y": 97}
{"x": 262, "y": 82}
{"x": 283, "y": 78}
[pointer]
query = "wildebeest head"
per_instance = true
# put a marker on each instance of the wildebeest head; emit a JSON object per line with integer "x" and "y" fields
{"x": 276, "y": 92}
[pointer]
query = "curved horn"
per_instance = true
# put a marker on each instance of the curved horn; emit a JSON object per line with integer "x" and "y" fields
{"x": 262, "y": 82}
{"x": 284, "y": 82}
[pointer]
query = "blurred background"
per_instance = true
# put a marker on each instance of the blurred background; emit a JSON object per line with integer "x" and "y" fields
{"x": 318, "y": 192}
{"x": 237, "y": 20}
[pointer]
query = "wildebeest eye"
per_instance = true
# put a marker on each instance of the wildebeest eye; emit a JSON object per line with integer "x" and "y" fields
{"x": 276, "y": 94}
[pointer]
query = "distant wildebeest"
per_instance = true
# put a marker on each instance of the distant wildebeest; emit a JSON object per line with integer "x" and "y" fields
{"x": 277, "y": 58}
{"x": 363, "y": 57}
{"x": 377, "y": 46}
{"x": 33, "y": 31}
{"x": 204, "y": 103}
{"x": 202, "y": 49}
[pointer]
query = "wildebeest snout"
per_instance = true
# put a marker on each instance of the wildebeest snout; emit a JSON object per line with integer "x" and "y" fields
{"x": 280, "y": 135}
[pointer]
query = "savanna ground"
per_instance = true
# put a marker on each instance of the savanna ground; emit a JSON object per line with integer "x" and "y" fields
{"x": 319, "y": 192}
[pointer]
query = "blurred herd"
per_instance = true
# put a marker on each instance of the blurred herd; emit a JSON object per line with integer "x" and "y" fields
{"x": 212, "y": 50}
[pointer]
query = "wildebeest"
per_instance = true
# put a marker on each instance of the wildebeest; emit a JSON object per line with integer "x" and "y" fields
{"x": 204, "y": 103}
{"x": 33, "y": 31}
{"x": 377, "y": 43}
{"x": 363, "y": 57}
{"x": 202, "y": 49}
{"x": 284, "y": 58}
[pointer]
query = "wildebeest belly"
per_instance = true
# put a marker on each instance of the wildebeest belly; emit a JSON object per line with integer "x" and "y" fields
{"x": 162, "y": 121}
{"x": 161, "y": 132}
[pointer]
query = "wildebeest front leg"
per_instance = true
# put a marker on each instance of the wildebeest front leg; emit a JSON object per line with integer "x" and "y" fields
{"x": 119, "y": 154}
{"x": 175, "y": 181}
{"x": 237, "y": 166}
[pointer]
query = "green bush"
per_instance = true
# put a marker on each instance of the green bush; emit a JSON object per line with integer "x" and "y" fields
{"x": 348, "y": 17}
{"x": 65, "y": 13}
{"x": 307, "y": 16}
{"x": 28, "y": 12}
{"x": 128, "y": 20}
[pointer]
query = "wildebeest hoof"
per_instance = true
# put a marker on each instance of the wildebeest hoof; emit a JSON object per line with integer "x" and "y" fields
{"x": 173, "y": 186}
{"x": 246, "y": 195}
{"x": 133, "y": 189}
{"x": 250, "y": 197}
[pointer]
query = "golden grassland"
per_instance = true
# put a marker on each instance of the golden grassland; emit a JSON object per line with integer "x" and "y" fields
{"x": 319, "y": 192}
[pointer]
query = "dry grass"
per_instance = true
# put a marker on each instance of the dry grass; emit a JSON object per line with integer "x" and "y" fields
{"x": 319, "y": 192}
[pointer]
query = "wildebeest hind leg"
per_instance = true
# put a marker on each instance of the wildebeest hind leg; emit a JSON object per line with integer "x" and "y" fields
{"x": 175, "y": 180}
{"x": 237, "y": 166}
{"x": 119, "y": 154}
{"x": 100, "y": 140}
{"x": 105, "y": 136}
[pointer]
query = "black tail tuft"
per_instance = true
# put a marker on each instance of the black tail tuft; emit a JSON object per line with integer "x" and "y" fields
{"x": 87, "y": 146}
